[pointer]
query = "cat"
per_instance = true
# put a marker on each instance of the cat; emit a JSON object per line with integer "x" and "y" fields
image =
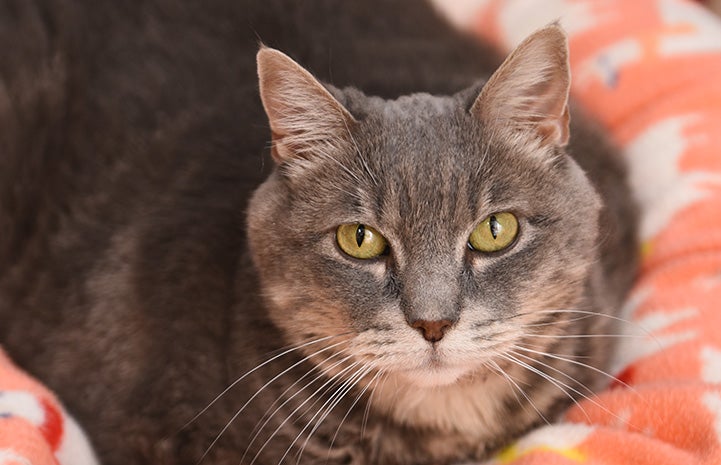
{"x": 407, "y": 275}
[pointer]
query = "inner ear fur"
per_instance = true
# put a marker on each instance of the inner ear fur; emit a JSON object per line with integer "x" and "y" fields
{"x": 304, "y": 117}
{"x": 529, "y": 91}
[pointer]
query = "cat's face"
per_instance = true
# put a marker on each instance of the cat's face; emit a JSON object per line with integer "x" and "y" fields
{"x": 370, "y": 234}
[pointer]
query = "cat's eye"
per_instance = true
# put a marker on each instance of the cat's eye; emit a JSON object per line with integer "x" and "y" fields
{"x": 495, "y": 233}
{"x": 360, "y": 241}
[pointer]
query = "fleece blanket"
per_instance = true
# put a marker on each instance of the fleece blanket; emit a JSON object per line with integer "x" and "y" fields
{"x": 650, "y": 70}
{"x": 34, "y": 428}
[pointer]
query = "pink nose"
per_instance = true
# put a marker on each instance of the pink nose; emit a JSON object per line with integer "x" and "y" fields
{"x": 432, "y": 331}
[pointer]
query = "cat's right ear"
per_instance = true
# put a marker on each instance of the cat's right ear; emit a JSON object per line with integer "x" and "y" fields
{"x": 304, "y": 117}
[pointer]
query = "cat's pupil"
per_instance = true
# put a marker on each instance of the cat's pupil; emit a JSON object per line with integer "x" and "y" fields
{"x": 360, "y": 234}
{"x": 495, "y": 226}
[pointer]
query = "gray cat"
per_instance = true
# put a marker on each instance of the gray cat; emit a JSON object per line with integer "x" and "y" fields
{"x": 423, "y": 277}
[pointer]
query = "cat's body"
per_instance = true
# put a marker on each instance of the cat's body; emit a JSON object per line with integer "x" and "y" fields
{"x": 132, "y": 138}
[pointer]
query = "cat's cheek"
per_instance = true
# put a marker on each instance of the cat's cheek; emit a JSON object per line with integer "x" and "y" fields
{"x": 303, "y": 319}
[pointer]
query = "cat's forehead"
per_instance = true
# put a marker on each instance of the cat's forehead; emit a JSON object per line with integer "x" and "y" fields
{"x": 426, "y": 161}
{"x": 419, "y": 107}
{"x": 421, "y": 129}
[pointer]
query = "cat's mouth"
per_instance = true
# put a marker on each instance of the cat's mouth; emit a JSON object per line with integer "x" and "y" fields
{"x": 435, "y": 370}
{"x": 435, "y": 375}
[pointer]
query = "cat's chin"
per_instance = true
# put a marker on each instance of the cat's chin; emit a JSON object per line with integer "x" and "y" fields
{"x": 436, "y": 376}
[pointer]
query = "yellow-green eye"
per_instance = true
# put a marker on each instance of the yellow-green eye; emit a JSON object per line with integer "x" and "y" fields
{"x": 494, "y": 233}
{"x": 360, "y": 241}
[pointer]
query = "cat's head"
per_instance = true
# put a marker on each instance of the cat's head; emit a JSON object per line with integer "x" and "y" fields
{"x": 426, "y": 234}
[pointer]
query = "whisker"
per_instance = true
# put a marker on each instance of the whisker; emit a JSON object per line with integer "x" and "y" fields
{"x": 366, "y": 414}
{"x": 267, "y": 417}
{"x": 575, "y": 362}
{"x": 547, "y": 377}
{"x": 360, "y": 155}
{"x": 585, "y": 336}
{"x": 554, "y": 381}
{"x": 523, "y": 393}
{"x": 331, "y": 380}
{"x": 358, "y": 397}
{"x": 495, "y": 369}
{"x": 584, "y": 313}
{"x": 334, "y": 400}
{"x": 591, "y": 313}
{"x": 571, "y": 378}
{"x": 552, "y": 323}
{"x": 248, "y": 373}
{"x": 242, "y": 408}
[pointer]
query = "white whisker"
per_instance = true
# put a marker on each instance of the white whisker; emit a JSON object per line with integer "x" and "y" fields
{"x": 555, "y": 323}
{"x": 584, "y": 336}
{"x": 331, "y": 380}
{"x": 332, "y": 402}
{"x": 575, "y": 362}
{"x": 366, "y": 414}
{"x": 248, "y": 373}
{"x": 243, "y": 407}
{"x": 360, "y": 155}
{"x": 532, "y": 360}
{"x": 267, "y": 417}
{"x": 358, "y": 397}
{"x": 560, "y": 385}
{"x": 523, "y": 393}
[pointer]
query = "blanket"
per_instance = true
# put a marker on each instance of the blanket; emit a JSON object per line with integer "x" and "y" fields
{"x": 650, "y": 71}
{"x": 34, "y": 428}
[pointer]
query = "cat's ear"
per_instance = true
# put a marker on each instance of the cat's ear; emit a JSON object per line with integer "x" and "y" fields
{"x": 530, "y": 89}
{"x": 304, "y": 117}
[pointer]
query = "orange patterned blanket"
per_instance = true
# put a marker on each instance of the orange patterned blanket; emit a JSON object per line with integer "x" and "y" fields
{"x": 34, "y": 428}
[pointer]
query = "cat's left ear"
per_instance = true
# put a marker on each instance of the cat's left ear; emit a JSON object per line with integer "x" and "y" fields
{"x": 304, "y": 117}
{"x": 530, "y": 89}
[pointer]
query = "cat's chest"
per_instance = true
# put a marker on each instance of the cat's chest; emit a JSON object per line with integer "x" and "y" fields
{"x": 467, "y": 407}
{"x": 438, "y": 425}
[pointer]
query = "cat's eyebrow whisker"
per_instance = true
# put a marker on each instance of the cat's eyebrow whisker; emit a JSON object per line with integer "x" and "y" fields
{"x": 268, "y": 383}
{"x": 347, "y": 170}
{"x": 481, "y": 166}
{"x": 360, "y": 155}
{"x": 330, "y": 381}
{"x": 501, "y": 371}
{"x": 268, "y": 416}
{"x": 248, "y": 373}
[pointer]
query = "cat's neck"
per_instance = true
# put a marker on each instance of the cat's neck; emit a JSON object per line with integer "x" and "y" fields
{"x": 474, "y": 405}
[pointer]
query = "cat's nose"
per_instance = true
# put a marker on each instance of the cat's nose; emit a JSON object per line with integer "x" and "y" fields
{"x": 432, "y": 331}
